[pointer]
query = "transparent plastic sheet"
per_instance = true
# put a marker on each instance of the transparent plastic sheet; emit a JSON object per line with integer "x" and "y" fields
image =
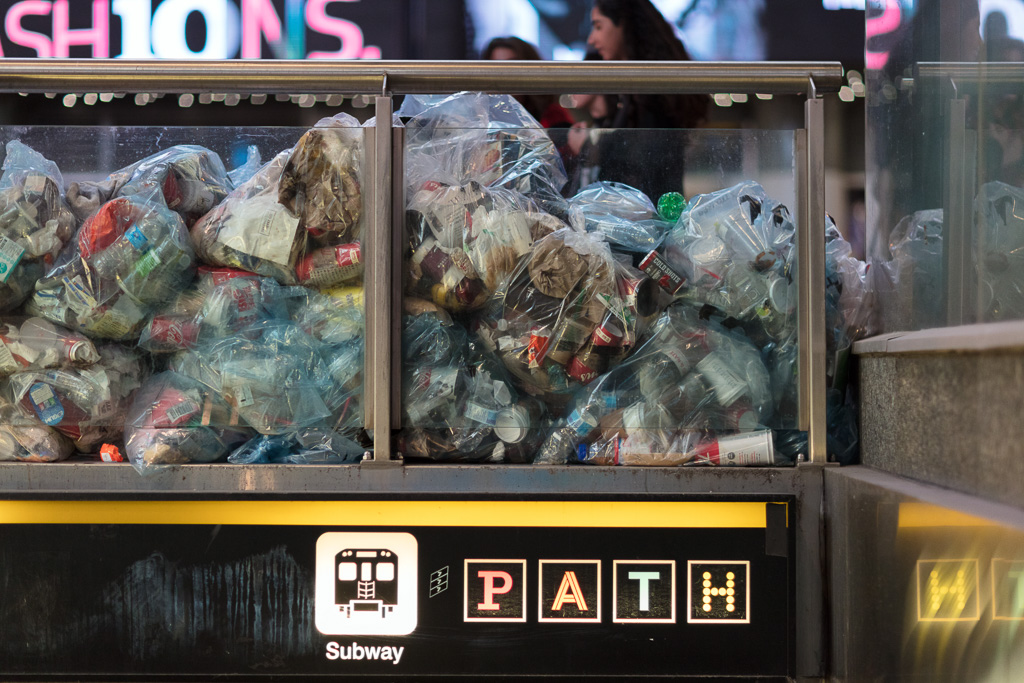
{"x": 32, "y": 444}
{"x": 35, "y": 222}
{"x": 624, "y": 216}
{"x": 908, "y": 283}
{"x": 253, "y": 163}
{"x": 283, "y": 358}
{"x": 191, "y": 180}
{"x": 37, "y": 344}
{"x": 567, "y": 313}
{"x": 489, "y": 139}
{"x": 299, "y": 218}
{"x": 131, "y": 255}
{"x": 86, "y": 404}
{"x": 691, "y": 384}
{"x": 460, "y": 402}
{"x": 999, "y": 251}
{"x": 273, "y": 375}
{"x": 175, "y": 420}
{"x": 466, "y": 240}
{"x": 250, "y": 230}
{"x": 849, "y": 309}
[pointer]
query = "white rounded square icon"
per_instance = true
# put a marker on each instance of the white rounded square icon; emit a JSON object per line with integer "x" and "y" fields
{"x": 366, "y": 583}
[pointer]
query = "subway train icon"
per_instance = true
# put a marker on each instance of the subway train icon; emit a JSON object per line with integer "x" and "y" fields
{"x": 366, "y": 583}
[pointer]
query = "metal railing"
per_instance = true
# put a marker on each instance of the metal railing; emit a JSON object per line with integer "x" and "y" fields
{"x": 387, "y": 78}
{"x": 403, "y": 78}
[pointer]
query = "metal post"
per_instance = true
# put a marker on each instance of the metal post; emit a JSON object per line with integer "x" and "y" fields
{"x": 956, "y": 217}
{"x": 811, "y": 263}
{"x": 369, "y": 247}
{"x": 398, "y": 287}
{"x": 379, "y": 336}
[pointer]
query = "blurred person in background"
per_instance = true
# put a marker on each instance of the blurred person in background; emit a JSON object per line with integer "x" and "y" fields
{"x": 634, "y": 30}
{"x": 652, "y": 161}
{"x": 545, "y": 108}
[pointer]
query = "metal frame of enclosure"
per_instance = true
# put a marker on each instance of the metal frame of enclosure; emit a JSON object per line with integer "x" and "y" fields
{"x": 383, "y": 472}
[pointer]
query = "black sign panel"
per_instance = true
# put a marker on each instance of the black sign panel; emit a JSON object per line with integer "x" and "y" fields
{"x": 423, "y": 598}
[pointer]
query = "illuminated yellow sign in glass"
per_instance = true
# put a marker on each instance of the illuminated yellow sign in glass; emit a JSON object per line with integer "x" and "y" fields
{"x": 1007, "y": 590}
{"x": 947, "y": 590}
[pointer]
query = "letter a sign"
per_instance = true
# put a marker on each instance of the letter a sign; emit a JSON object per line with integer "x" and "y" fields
{"x": 570, "y": 590}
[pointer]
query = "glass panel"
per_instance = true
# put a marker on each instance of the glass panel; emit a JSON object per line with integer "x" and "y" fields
{"x": 923, "y": 590}
{"x": 559, "y": 317}
{"x": 162, "y": 309}
{"x": 945, "y": 131}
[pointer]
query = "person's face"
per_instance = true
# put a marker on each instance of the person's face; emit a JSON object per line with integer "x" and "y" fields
{"x": 502, "y": 53}
{"x": 605, "y": 37}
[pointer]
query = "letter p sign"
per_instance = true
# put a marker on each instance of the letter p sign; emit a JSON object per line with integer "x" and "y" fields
{"x": 495, "y": 590}
{"x": 490, "y": 589}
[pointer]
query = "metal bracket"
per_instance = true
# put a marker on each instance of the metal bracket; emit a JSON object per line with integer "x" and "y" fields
{"x": 370, "y": 462}
{"x": 807, "y": 464}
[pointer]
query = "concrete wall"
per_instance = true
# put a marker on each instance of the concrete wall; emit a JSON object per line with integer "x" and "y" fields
{"x": 955, "y": 419}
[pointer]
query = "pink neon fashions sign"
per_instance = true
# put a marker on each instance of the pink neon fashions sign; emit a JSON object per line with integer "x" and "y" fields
{"x": 233, "y": 28}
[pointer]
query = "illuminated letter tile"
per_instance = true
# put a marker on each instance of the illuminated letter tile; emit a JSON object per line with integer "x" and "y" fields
{"x": 947, "y": 590}
{"x": 1008, "y": 590}
{"x": 570, "y": 591}
{"x": 719, "y": 592}
{"x": 495, "y": 590}
{"x": 644, "y": 591}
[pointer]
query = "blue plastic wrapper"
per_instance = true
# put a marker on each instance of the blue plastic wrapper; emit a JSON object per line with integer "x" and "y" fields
{"x": 311, "y": 446}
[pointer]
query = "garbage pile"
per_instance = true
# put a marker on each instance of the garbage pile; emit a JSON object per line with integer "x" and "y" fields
{"x": 617, "y": 330}
{"x": 178, "y": 313}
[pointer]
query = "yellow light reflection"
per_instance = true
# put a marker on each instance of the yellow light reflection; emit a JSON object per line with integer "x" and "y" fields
{"x": 947, "y": 590}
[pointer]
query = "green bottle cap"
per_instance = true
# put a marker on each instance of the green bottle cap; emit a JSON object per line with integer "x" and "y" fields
{"x": 671, "y": 205}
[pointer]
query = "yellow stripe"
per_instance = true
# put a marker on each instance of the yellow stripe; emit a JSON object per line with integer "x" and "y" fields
{"x": 399, "y": 513}
{"x": 921, "y": 515}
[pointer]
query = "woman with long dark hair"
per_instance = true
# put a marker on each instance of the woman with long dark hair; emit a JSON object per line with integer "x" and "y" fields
{"x": 634, "y": 30}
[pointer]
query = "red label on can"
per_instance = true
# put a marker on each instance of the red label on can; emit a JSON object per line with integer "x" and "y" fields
{"x": 537, "y": 349}
{"x": 245, "y": 298}
{"x": 173, "y": 408}
{"x": 222, "y": 275}
{"x": 179, "y": 333}
{"x": 659, "y": 271}
{"x": 607, "y": 335}
{"x": 580, "y": 372}
{"x": 172, "y": 193}
{"x": 348, "y": 255}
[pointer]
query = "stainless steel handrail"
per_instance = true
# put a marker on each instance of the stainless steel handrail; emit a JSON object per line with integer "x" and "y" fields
{"x": 368, "y": 77}
{"x": 964, "y": 75}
